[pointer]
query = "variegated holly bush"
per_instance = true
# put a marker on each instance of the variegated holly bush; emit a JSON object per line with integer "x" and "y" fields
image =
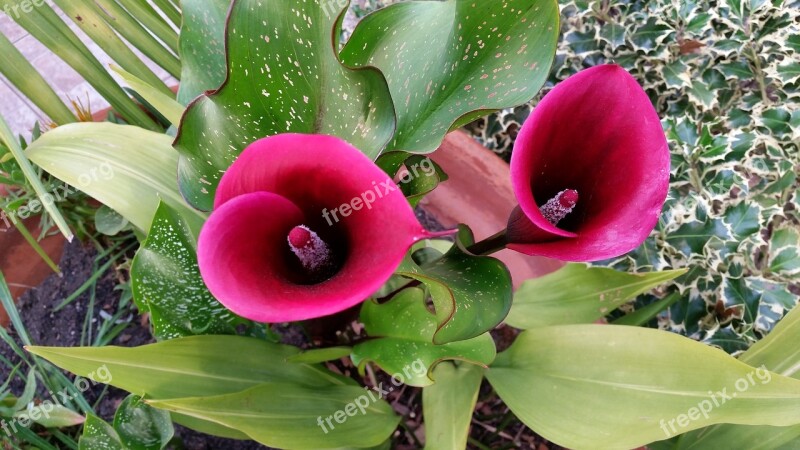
{"x": 724, "y": 77}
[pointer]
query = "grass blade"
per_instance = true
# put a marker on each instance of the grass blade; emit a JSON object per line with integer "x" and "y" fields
{"x": 24, "y": 76}
{"x": 7, "y": 137}
{"x": 48, "y": 28}
{"x": 87, "y": 16}
{"x": 148, "y": 17}
{"x": 133, "y": 31}
{"x": 13, "y": 313}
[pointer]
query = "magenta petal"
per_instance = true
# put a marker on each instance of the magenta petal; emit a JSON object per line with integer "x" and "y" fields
{"x": 284, "y": 181}
{"x": 597, "y": 133}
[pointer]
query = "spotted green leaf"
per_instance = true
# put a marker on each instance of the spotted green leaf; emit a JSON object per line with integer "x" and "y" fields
{"x": 166, "y": 281}
{"x": 142, "y": 427}
{"x": 471, "y": 294}
{"x": 404, "y": 330}
{"x": 283, "y": 77}
{"x": 98, "y": 435}
{"x": 202, "y": 44}
{"x": 450, "y": 62}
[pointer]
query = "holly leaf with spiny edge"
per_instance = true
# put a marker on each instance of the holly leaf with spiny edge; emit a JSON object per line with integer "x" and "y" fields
{"x": 451, "y": 62}
{"x": 404, "y": 330}
{"x": 283, "y": 76}
{"x": 471, "y": 294}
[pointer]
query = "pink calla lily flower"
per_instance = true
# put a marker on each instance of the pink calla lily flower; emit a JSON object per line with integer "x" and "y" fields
{"x": 303, "y": 226}
{"x": 590, "y": 169}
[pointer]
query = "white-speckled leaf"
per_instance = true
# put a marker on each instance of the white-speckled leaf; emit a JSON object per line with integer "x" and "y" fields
{"x": 405, "y": 329}
{"x": 471, "y": 294}
{"x": 166, "y": 280}
{"x": 202, "y": 45}
{"x": 445, "y": 60}
{"x": 283, "y": 77}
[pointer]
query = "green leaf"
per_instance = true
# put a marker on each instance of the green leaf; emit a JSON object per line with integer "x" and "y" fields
{"x": 789, "y": 73}
{"x": 448, "y": 405}
{"x": 51, "y": 415}
{"x": 109, "y": 222}
{"x": 743, "y": 219}
{"x": 137, "y": 35}
{"x": 582, "y": 42}
{"x": 320, "y": 355}
{"x": 297, "y": 417}
{"x": 21, "y": 73}
{"x": 613, "y": 33}
{"x": 606, "y": 386}
{"x": 578, "y": 293}
{"x": 7, "y": 138}
{"x": 163, "y": 103}
{"x": 777, "y": 121}
{"x": 405, "y": 348}
{"x": 444, "y": 60}
{"x": 471, "y": 294}
{"x": 129, "y": 169}
{"x": 89, "y": 18}
{"x": 421, "y": 175}
{"x": 166, "y": 278}
{"x": 642, "y": 316}
{"x": 736, "y": 70}
{"x": 779, "y": 353}
{"x": 785, "y": 251}
{"x": 142, "y": 427}
{"x": 692, "y": 237}
{"x": 283, "y": 77}
{"x": 44, "y": 24}
{"x": 98, "y": 435}
{"x": 188, "y": 367}
{"x": 651, "y": 34}
{"x": 675, "y": 74}
{"x": 202, "y": 43}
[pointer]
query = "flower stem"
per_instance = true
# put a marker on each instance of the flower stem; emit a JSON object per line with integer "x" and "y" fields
{"x": 489, "y": 245}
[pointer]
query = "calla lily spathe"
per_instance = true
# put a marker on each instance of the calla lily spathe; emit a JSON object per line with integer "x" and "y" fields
{"x": 282, "y": 246}
{"x": 590, "y": 169}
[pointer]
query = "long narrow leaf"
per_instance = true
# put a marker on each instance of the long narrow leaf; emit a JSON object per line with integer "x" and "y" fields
{"x": 125, "y": 167}
{"x": 169, "y": 10}
{"x": 21, "y": 73}
{"x": 133, "y": 31}
{"x": 45, "y": 25}
{"x": 87, "y": 16}
{"x": 145, "y": 14}
{"x": 7, "y": 137}
{"x": 11, "y": 309}
{"x": 164, "y": 104}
